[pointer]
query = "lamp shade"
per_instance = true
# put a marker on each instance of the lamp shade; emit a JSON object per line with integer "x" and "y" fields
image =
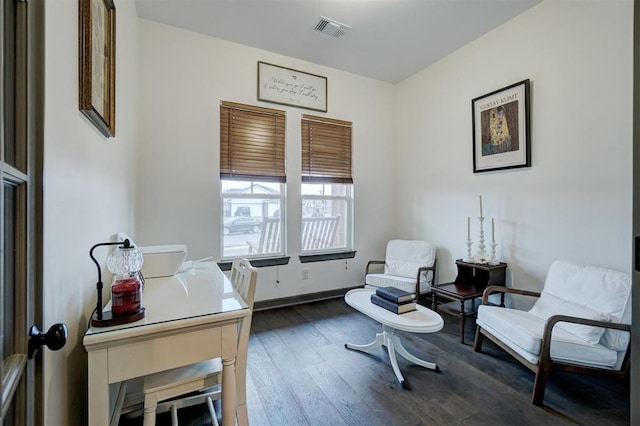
{"x": 125, "y": 260}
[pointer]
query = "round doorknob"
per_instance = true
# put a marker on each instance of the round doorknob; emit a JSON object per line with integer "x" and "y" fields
{"x": 55, "y": 338}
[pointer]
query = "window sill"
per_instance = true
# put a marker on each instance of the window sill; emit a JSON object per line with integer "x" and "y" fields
{"x": 258, "y": 263}
{"x": 307, "y": 258}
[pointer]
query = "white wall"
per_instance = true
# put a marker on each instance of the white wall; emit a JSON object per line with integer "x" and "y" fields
{"x": 574, "y": 202}
{"x": 183, "y": 78}
{"x": 89, "y": 195}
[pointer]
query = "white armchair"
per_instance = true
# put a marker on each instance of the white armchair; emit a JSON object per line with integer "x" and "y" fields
{"x": 580, "y": 323}
{"x": 409, "y": 265}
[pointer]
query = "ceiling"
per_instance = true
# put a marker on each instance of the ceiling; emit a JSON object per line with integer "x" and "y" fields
{"x": 389, "y": 40}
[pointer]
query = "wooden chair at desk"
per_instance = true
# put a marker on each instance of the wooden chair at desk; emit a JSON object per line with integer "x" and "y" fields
{"x": 206, "y": 376}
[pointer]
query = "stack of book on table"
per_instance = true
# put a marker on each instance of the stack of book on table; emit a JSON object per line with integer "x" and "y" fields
{"x": 394, "y": 299}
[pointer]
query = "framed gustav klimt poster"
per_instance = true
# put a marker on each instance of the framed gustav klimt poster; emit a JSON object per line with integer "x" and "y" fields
{"x": 501, "y": 129}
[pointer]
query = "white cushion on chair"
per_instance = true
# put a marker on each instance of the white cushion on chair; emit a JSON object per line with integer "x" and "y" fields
{"x": 404, "y": 257}
{"x": 549, "y": 305}
{"x": 522, "y": 332}
{"x": 602, "y": 290}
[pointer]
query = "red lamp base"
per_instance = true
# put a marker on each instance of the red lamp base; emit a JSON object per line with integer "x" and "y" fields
{"x": 108, "y": 319}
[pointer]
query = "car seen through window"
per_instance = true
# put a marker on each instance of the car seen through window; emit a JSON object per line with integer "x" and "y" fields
{"x": 241, "y": 225}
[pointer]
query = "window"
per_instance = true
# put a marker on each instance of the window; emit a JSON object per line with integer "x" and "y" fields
{"x": 327, "y": 185}
{"x": 252, "y": 175}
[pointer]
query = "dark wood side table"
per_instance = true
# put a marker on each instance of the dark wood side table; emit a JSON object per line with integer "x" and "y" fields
{"x": 471, "y": 281}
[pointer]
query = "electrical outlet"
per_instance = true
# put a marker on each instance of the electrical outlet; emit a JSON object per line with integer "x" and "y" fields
{"x": 305, "y": 274}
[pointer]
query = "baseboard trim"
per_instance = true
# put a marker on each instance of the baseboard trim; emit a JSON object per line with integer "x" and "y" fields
{"x": 300, "y": 299}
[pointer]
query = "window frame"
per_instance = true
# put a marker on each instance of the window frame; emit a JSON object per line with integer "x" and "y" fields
{"x": 318, "y": 167}
{"x": 347, "y": 221}
{"x": 253, "y": 136}
{"x": 253, "y": 196}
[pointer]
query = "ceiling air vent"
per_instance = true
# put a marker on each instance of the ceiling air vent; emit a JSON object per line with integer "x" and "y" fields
{"x": 330, "y": 27}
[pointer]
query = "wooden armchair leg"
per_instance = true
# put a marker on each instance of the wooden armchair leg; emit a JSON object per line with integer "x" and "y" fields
{"x": 539, "y": 384}
{"x": 477, "y": 343}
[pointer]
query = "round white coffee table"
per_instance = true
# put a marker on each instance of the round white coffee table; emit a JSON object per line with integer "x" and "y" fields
{"x": 422, "y": 320}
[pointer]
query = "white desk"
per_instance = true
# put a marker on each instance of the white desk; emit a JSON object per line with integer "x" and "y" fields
{"x": 191, "y": 317}
{"x": 422, "y": 320}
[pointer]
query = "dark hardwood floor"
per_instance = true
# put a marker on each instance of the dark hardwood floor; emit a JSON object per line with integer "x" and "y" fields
{"x": 300, "y": 373}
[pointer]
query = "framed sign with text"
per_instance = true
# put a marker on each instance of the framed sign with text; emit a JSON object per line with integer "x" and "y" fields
{"x": 501, "y": 129}
{"x": 286, "y": 86}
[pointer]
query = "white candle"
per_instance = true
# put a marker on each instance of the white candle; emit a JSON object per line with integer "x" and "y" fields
{"x": 481, "y": 206}
{"x": 493, "y": 232}
{"x": 468, "y": 228}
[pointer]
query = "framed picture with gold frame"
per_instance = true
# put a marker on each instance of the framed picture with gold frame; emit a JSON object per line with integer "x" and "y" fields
{"x": 501, "y": 129}
{"x": 97, "y": 60}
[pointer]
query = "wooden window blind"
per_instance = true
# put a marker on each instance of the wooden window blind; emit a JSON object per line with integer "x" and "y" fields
{"x": 326, "y": 150}
{"x": 252, "y": 143}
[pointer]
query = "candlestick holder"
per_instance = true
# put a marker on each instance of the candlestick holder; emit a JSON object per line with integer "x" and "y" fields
{"x": 493, "y": 260}
{"x": 469, "y": 258}
{"x": 481, "y": 255}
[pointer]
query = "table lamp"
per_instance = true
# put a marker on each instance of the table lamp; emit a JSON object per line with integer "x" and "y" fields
{"x": 126, "y": 290}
